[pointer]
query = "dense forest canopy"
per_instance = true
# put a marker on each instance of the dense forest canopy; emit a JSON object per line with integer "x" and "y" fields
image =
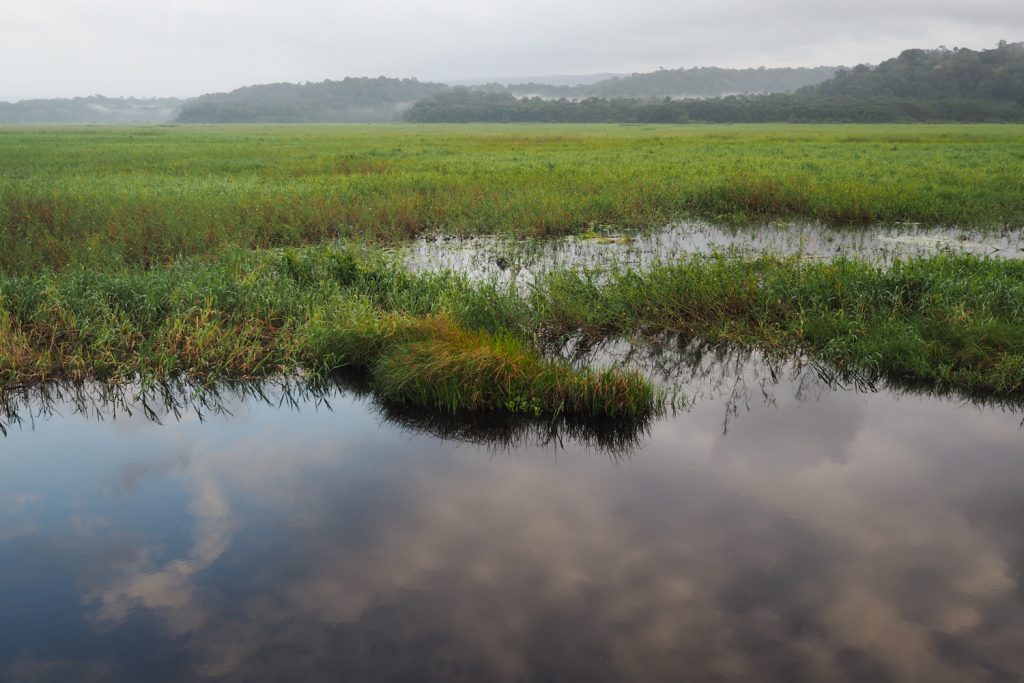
{"x": 681, "y": 83}
{"x": 357, "y": 100}
{"x": 464, "y": 106}
{"x": 934, "y": 74}
{"x": 386, "y": 99}
{"x": 919, "y": 85}
{"x": 93, "y": 109}
{"x": 352, "y": 100}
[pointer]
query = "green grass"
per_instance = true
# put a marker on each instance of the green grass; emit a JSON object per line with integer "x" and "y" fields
{"x": 949, "y": 323}
{"x": 319, "y": 311}
{"x": 111, "y": 197}
{"x": 438, "y": 341}
{"x": 205, "y": 254}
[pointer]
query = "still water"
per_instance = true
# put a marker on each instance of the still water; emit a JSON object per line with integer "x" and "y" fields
{"x": 779, "y": 528}
{"x": 504, "y": 259}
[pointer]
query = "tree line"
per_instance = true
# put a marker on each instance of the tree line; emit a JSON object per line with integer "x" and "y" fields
{"x": 918, "y": 85}
{"x": 705, "y": 81}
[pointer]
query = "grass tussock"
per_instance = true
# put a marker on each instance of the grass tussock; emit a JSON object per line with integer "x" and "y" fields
{"x": 476, "y": 371}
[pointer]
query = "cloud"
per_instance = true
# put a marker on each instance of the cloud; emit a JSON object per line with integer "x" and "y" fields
{"x": 73, "y": 47}
{"x": 169, "y": 588}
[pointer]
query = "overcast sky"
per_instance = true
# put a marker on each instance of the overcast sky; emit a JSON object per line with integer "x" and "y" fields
{"x": 60, "y": 48}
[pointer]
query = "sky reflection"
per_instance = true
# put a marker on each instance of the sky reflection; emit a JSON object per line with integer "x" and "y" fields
{"x": 822, "y": 536}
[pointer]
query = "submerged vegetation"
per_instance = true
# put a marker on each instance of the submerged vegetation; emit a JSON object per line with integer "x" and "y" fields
{"x": 112, "y": 197}
{"x": 440, "y": 341}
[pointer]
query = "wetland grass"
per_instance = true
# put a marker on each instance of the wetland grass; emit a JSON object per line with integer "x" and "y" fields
{"x": 319, "y": 311}
{"x": 473, "y": 371}
{"x": 440, "y": 341}
{"x": 944, "y": 322}
{"x": 210, "y": 254}
{"x": 111, "y": 197}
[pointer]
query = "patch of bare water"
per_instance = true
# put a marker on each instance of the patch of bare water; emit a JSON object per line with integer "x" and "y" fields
{"x": 518, "y": 260}
{"x": 778, "y": 529}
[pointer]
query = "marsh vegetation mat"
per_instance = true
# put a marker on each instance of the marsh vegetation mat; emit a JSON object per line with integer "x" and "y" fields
{"x": 108, "y": 197}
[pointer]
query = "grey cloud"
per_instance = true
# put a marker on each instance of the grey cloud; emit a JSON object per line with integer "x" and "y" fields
{"x": 148, "y": 48}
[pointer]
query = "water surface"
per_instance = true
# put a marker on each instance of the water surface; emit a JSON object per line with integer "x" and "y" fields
{"x": 505, "y": 258}
{"x": 782, "y": 528}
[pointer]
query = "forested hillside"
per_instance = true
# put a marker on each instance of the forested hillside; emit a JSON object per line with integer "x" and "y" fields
{"x": 996, "y": 74}
{"x": 682, "y": 83}
{"x": 919, "y": 85}
{"x": 387, "y": 99}
{"x": 352, "y": 100}
{"x": 93, "y": 109}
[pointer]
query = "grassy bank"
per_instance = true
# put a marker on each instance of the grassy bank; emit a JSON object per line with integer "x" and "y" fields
{"x": 110, "y": 197}
{"x": 442, "y": 342}
{"x": 250, "y": 315}
{"x": 949, "y": 323}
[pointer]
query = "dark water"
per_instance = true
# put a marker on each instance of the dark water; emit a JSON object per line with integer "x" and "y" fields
{"x": 780, "y": 529}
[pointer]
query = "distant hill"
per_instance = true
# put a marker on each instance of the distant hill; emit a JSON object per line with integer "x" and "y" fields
{"x": 93, "y": 109}
{"x": 919, "y": 85}
{"x": 360, "y": 100}
{"x": 934, "y": 74}
{"x": 352, "y": 100}
{"x": 555, "y": 80}
{"x": 684, "y": 83}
